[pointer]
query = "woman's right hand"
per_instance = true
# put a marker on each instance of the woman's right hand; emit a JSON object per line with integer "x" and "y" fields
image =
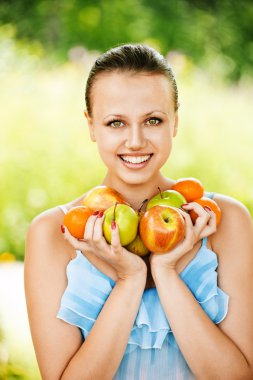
{"x": 126, "y": 264}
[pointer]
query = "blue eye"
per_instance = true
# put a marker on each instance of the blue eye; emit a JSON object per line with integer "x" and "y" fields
{"x": 110, "y": 123}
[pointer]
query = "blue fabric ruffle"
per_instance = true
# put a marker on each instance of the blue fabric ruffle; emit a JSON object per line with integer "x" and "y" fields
{"x": 88, "y": 290}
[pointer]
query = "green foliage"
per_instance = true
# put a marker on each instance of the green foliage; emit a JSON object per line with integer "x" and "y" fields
{"x": 12, "y": 372}
{"x": 47, "y": 157}
{"x": 10, "y": 369}
{"x": 205, "y": 31}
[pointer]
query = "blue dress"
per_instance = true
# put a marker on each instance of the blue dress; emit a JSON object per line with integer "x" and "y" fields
{"x": 152, "y": 352}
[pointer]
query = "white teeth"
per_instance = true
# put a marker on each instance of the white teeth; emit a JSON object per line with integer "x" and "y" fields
{"x": 135, "y": 160}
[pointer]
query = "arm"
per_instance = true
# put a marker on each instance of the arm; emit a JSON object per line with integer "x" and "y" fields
{"x": 100, "y": 355}
{"x": 212, "y": 351}
{"x": 59, "y": 348}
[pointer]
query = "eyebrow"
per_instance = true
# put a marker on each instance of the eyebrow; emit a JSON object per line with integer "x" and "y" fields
{"x": 147, "y": 114}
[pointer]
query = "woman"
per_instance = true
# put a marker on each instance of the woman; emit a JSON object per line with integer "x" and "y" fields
{"x": 96, "y": 310}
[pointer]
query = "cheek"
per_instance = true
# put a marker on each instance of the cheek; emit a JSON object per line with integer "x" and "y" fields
{"x": 163, "y": 144}
{"x": 162, "y": 139}
{"x": 107, "y": 145}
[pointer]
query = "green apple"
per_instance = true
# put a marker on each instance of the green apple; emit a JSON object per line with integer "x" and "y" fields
{"x": 166, "y": 198}
{"x": 126, "y": 219}
{"x": 137, "y": 246}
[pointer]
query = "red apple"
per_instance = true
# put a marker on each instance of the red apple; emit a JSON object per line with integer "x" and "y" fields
{"x": 102, "y": 197}
{"x": 162, "y": 228}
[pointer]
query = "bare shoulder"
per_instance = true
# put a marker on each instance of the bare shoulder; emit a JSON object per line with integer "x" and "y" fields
{"x": 45, "y": 230}
{"x": 233, "y": 244}
{"x": 47, "y": 255}
{"x": 227, "y": 202}
{"x": 46, "y": 227}
{"x": 235, "y": 226}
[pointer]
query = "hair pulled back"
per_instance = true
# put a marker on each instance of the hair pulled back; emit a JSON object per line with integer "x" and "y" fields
{"x": 134, "y": 58}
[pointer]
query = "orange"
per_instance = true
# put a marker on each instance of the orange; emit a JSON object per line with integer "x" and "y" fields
{"x": 190, "y": 188}
{"x": 75, "y": 220}
{"x": 210, "y": 203}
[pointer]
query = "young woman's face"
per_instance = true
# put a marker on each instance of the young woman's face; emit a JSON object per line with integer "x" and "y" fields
{"x": 133, "y": 123}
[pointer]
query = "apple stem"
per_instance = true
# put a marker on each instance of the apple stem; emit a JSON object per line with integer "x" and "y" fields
{"x": 145, "y": 200}
{"x": 114, "y": 211}
{"x": 160, "y": 192}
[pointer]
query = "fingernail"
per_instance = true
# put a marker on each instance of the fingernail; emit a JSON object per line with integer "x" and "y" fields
{"x": 113, "y": 225}
{"x": 62, "y": 228}
{"x": 207, "y": 208}
{"x": 185, "y": 204}
{"x": 100, "y": 214}
{"x": 95, "y": 213}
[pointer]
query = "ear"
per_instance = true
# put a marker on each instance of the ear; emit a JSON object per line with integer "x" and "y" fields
{"x": 175, "y": 125}
{"x": 90, "y": 125}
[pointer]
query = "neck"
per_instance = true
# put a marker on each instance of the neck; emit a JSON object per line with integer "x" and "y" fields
{"x": 136, "y": 193}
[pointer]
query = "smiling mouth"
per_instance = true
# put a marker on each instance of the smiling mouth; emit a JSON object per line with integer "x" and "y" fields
{"x": 135, "y": 159}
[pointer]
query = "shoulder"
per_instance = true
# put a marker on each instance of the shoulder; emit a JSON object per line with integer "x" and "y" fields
{"x": 47, "y": 255}
{"x": 47, "y": 223}
{"x": 233, "y": 240}
{"x": 229, "y": 203}
{"x": 236, "y": 220}
{"x": 44, "y": 238}
{"x": 45, "y": 228}
{"x": 46, "y": 220}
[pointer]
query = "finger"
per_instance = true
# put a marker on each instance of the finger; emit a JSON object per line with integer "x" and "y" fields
{"x": 98, "y": 229}
{"x": 186, "y": 217}
{"x": 212, "y": 219}
{"x": 188, "y": 228}
{"x": 189, "y": 238}
{"x": 115, "y": 239}
{"x": 77, "y": 244}
{"x": 89, "y": 228}
{"x": 211, "y": 227}
{"x": 204, "y": 228}
{"x": 197, "y": 208}
{"x": 202, "y": 219}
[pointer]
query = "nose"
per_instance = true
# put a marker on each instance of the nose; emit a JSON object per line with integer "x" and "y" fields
{"x": 136, "y": 139}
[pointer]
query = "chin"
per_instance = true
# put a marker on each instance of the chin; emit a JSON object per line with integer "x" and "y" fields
{"x": 137, "y": 178}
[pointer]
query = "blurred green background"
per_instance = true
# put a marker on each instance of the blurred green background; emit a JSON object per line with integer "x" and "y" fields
{"x": 46, "y": 51}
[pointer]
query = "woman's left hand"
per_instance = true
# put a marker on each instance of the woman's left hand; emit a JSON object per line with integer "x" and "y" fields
{"x": 204, "y": 226}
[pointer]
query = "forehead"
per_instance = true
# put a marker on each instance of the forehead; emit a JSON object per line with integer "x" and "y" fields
{"x": 123, "y": 92}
